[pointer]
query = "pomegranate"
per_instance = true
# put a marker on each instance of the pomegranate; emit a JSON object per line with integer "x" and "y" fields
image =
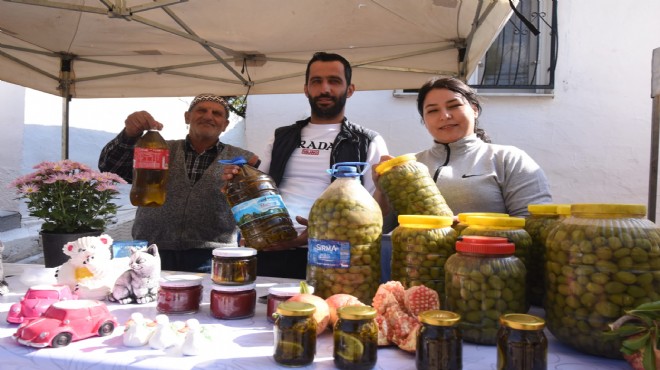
{"x": 337, "y": 301}
{"x": 322, "y": 314}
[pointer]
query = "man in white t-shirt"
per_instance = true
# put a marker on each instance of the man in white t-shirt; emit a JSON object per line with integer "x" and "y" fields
{"x": 297, "y": 157}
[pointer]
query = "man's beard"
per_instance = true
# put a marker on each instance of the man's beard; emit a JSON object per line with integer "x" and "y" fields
{"x": 331, "y": 111}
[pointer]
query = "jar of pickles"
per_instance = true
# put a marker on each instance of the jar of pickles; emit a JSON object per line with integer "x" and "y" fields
{"x": 345, "y": 229}
{"x": 281, "y": 293}
{"x": 484, "y": 280}
{"x": 233, "y": 301}
{"x": 295, "y": 334}
{"x": 521, "y": 344}
{"x": 601, "y": 261}
{"x": 420, "y": 248}
{"x": 410, "y": 188}
{"x": 355, "y": 336}
{"x": 179, "y": 294}
{"x": 439, "y": 341}
{"x": 462, "y": 219}
{"x": 542, "y": 217}
{"x": 512, "y": 228}
{"x": 234, "y": 265}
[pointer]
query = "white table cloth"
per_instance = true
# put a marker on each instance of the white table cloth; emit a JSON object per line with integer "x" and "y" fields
{"x": 239, "y": 344}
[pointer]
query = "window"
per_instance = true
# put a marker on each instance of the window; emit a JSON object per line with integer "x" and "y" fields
{"x": 519, "y": 61}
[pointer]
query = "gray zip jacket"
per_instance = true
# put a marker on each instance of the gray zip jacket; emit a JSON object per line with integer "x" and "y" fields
{"x": 474, "y": 176}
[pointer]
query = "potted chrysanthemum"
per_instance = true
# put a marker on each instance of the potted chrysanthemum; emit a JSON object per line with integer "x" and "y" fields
{"x": 71, "y": 199}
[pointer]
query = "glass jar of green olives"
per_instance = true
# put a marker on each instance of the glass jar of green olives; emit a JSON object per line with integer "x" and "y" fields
{"x": 601, "y": 261}
{"x": 521, "y": 344}
{"x": 484, "y": 280}
{"x": 462, "y": 219}
{"x": 355, "y": 336}
{"x": 542, "y": 217}
{"x": 439, "y": 341}
{"x": 512, "y": 228}
{"x": 420, "y": 248}
{"x": 410, "y": 188}
{"x": 345, "y": 229}
{"x": 295, "y": 334}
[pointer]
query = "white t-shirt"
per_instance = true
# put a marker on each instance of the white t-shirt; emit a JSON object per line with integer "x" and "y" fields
{"x": 305, "y": 176}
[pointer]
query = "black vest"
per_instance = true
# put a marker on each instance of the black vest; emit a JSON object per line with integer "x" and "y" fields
{"x": 350, "y": 145}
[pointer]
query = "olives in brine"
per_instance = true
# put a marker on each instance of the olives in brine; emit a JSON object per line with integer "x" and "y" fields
{"x": 601, "y": 261}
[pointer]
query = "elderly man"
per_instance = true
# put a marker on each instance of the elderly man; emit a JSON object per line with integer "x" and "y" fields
{"x": 196, "y": 217}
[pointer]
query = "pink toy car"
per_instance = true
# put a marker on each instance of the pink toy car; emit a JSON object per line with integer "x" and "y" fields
{"x": 36, "y": 300}
{"x": 67, "y": 321}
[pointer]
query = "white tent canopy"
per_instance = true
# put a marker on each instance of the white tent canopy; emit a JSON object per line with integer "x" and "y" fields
{"x": 142, "y": 48}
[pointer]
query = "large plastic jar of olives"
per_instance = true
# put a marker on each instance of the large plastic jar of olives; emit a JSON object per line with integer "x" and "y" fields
{"x": 484, "y": 280}
{"x": 410, "y": 188}
{"x": 462, "y": 219}
{"x": 512, "y": 228}
{"x": 542, "y": 217}
{"x": 258, "y": 207}
{"x": 601, "y": 261}
{"x": 420, "y": 248}
{"x": 344, "y": 233}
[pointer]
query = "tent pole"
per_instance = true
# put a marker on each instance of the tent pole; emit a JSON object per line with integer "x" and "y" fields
{"x": 65, "y": 87}
{"x": 653, "y": 173}
{"x": 655, "y": 134}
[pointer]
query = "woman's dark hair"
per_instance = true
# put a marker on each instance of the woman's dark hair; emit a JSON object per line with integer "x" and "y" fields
{"x": 459, "y": 87}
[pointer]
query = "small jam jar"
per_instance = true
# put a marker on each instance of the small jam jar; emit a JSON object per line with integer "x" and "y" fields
{"x": 280, "y": 293}
{"x": 295, "y": 334}
{"x": 233, "y": 301}
{"x": 234, "y": 265}
{"x": 355, "y": 338}
{"x": 439, "y": 341}
{"x": 521, "y": 344}
{"x": 179, "y": 294}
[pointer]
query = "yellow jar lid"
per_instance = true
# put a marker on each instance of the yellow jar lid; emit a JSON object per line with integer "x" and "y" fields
{"x": 425, "y": 222}
{"x": 542, "y": 209}
{"x": 439, "y": 318}
{"x": 295, "y": 308}
{"x": 356, "y": 312}
{"x": 462, "y": 217}
{"x": 516, "y": 222}
{"x": 396, "y": 161}
{"x": 564, "y": 209}
{"x": 597, "y": 210}
{"x": 521, "y": 321}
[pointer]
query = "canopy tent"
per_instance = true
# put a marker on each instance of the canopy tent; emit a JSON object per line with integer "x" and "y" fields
{"x": 142, "y": 48}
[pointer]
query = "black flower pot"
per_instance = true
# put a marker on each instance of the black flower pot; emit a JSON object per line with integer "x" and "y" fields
{"x": 53, "y": 243}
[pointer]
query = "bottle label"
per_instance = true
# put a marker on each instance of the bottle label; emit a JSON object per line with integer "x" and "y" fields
{"x": 151, "y": 159}
{"x": 257, "y": 208}
{"x": 329, "y": 253}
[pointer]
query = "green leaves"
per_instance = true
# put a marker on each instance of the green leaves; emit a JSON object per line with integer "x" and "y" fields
{"x": 639, "y": 329}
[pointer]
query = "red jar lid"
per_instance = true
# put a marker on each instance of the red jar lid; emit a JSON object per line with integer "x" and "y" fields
{"x": 485, "y": 245}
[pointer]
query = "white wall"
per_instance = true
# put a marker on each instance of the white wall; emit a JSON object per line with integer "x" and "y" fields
{"x": 592, "y": 138}
{"x": 11, "y": 141}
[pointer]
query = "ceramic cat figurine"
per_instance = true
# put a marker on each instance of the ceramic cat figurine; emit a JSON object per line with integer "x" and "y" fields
{"x": 139, "y": 283}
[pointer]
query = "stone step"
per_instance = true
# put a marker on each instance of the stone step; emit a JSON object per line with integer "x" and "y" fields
{"x": 9, "y": 220}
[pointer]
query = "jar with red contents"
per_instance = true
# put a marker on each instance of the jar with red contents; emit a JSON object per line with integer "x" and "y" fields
{"x": 233, "y": 301}
{"x": 179, "y": 294}
{"x": 281, "y": 293}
